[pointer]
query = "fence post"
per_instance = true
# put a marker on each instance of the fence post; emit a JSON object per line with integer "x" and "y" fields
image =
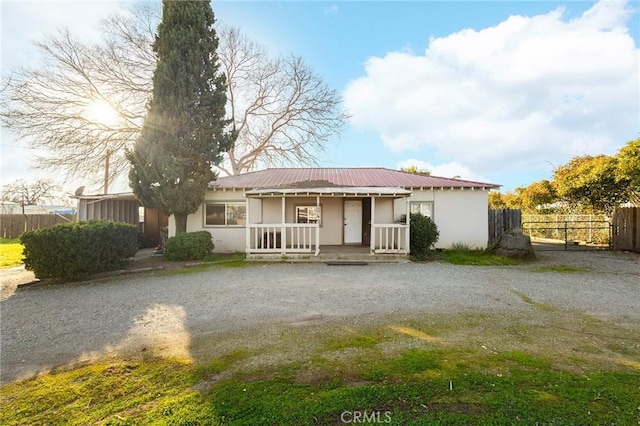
{"x": 634, "y": 232}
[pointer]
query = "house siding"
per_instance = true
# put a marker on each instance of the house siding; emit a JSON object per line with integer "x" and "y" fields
{"x": 226, "y": 239}
{"x": 461, "y": 215}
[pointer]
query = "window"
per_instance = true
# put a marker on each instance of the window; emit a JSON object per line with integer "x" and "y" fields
{"x": 308, "y": 214}
{"x": 425, "y": 208}
{"x": 225, "y": 214}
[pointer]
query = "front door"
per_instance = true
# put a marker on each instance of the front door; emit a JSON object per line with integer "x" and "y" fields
{"x": 353, "y": 222}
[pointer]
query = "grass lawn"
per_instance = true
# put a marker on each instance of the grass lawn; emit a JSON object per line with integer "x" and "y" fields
{"x": 217, "y": 260}
{"x": 10, "y": 252}
{"x": 477, "y": 257}
{"x": 430, "y": 369}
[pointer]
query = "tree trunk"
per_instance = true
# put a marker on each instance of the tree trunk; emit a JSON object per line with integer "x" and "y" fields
{"x": 181, "y": 222}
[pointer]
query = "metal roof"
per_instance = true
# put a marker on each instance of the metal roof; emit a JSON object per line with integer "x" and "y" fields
{"x": 340, "y": 177}
{"x": 334, "y": 190}
{"x": 115, "y": 196}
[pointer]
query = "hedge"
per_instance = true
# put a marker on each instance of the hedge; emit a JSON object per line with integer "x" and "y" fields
{"x": 188, "y": 246}
{"x": 423, "y": 234}
{"x": 70, "y": 250}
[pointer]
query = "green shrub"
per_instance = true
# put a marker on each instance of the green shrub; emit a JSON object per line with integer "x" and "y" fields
{"x": 188, "y": 246}
{"x": 424, "y": 234}
{"x": 70, "y": 250}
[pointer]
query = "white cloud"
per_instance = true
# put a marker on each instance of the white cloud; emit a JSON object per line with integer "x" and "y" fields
{"x": 331, "y": 10}
{"x": 448, "y": 170}
{"x": 528, "y": 90}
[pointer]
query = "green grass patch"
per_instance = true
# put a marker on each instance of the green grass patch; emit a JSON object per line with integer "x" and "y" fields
{"x": 9, "y": 240}
{"x": 111, "y": 393}
{"x": 10, "y": 253}
{"x": 561, "y": 269}
{"x": 223, "y": 363}
{"x": 532, "y": 302}
{"x": 224, "y": 257}
{"x": 354, "y": 341}
{"x": 210, "y": 262}
{"x": 477, "y": 371}
{"x": 158, "y": 391}
{"x": 414, "y": 361}
{"x": 477, "y": 257}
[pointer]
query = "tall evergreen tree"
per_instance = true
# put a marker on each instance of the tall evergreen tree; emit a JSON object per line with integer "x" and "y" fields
{"x": 185, "y": 132}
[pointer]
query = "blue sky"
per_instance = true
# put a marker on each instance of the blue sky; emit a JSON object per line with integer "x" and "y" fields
{"x": 498, "y": 91}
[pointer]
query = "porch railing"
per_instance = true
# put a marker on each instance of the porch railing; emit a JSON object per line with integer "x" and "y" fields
{"x": 283, "y": 238}
{"x": 390, "y": 238}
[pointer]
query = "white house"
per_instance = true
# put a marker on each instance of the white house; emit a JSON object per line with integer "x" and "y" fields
{"x": 287, "y": 211}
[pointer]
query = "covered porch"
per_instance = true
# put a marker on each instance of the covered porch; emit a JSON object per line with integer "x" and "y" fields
{"x": 306, "y": 222}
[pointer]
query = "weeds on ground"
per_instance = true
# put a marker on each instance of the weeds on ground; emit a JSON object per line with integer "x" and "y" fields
{"x": 233, "y": 260}
{"x": 561, "y": 269}
{"x": 478, "y": 257}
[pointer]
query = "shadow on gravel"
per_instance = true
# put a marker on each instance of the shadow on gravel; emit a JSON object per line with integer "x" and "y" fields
{"x": 149, "y": 315}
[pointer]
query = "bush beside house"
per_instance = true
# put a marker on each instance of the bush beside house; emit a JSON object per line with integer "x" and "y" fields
{"x": 70, "y": 250}
{"x": 423, "y": 234}
{"x": 189, "y": 246}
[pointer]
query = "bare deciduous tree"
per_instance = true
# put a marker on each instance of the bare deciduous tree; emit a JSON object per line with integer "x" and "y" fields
{"x": 29, "y": 194}
{"x": 88, "y": 102}
{"x": 283, "y": 111}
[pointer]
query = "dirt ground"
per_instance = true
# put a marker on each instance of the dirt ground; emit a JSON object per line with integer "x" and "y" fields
{"x": 195, "y": 316}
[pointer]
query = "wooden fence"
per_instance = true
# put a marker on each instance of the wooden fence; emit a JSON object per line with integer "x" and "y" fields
{"x": 502, "y": 220}
{"x": 626, "y": 229}
{"x": 13, "y": 225}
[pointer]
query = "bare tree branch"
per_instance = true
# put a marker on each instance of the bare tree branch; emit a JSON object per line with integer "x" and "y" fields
{"x": 283, "y": 112}
{"x": 29, "y": 194}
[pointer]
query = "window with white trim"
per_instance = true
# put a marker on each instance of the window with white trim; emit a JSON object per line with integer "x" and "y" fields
{"x": 308, "y": 214}
{"x": 425, "y": 208}
{"x": 225, "y": 214}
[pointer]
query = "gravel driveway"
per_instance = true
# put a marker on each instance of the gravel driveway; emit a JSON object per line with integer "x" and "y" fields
{"x": 44, "y": 326}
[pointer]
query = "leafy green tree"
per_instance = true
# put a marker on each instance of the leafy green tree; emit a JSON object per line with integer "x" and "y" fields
{"x": 184, "y": 133}
{"x": 415, "y": 170}
{"x": 629, "y": 165}
{"x": 590, "y": 184}
{"x": 496, "y": 200}
{"x": 536, "y": 195}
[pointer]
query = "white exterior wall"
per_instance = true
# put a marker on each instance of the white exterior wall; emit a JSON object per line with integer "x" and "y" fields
{"x": 461, "y": 215}
{"x": 332, "y": 216}
{"x": 226, "y": 239}
{"x": 384, "y": 210}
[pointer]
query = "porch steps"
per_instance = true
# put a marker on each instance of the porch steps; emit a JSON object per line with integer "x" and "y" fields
{"x": 346, "y": 263}
{"x": 326, "y": 258}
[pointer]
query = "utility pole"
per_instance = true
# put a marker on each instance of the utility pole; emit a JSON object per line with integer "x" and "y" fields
{"x": 106, "y": 172}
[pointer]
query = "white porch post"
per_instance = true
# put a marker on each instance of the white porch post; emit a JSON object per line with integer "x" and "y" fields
{"x": 407, "y": 231}
{"x": 372, "y": 237}
{"x": 283, "y": 229}
{"x": 247, "y": 228}
{"x": 317, "y": 252}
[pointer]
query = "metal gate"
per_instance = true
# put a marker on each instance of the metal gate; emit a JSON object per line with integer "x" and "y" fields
{"x": 569, "y": 234}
